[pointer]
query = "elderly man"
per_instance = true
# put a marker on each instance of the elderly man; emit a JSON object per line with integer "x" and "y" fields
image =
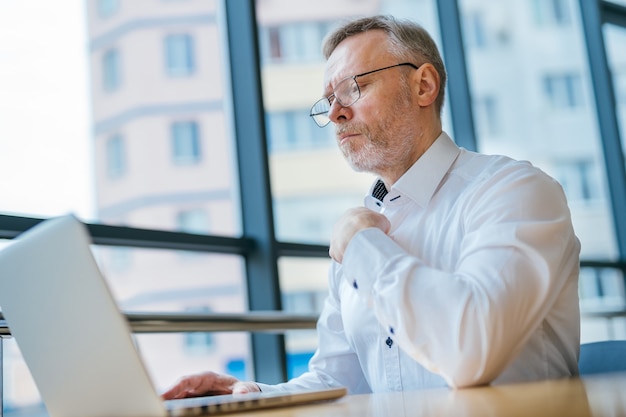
{"x": 461, "y": 269}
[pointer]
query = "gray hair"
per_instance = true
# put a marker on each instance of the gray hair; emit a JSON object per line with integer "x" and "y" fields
{"x": 408, "y": 41}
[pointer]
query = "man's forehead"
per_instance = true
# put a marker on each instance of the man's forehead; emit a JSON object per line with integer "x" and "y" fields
{"x": 353, "y": 55}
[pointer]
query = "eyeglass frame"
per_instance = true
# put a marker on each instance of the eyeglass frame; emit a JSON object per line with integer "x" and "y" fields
{"x": 353, "y": 77}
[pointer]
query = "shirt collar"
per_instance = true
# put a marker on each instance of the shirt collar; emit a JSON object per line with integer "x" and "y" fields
{"x": 420, "y": 182}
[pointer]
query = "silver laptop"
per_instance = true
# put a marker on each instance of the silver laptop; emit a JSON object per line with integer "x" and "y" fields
{"x": 76, "y": 342}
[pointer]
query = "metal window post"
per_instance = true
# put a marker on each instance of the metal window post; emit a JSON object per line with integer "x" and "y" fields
{"x": 256, "y": 197}
{"x": 592, "y": 20}
{"x": 459, "y": 96}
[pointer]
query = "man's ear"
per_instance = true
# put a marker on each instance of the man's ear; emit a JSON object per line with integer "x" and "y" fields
{"x": 426, "y": 84}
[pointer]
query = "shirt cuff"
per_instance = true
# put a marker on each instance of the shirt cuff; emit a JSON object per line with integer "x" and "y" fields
{"x": 267, "y": 388}
{"x": 366, "y": 256}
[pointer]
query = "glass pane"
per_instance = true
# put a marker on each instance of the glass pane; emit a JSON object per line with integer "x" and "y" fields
{"x": 303, "y": 282}
{"x": 532, "y": 98}
{"x": 91, "y": 122}
{"x": 169, "y": 109}
{"x": 147, "y": 280}
{"x": 128, "y": 130}
{"x": 602, "y": 289}
{"x": 169, "y": 356}
{"x": 45, "y": 140}
{"x": 311, "y": 183}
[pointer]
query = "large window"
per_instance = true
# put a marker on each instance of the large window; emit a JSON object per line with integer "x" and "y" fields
{"x": 311, "y": 183}
{"x": 537, "y": 99}
{"x": 546, "y": 115}
{"x": 132, "y": 149}
{"x": 137, "y": 127}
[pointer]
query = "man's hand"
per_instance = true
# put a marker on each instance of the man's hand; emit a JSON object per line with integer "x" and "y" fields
{"x": 208, "y": 383}
{"x": 353, "y": 221}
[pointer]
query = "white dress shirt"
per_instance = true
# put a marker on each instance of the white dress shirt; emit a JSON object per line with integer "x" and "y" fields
{"x": 476, "y": 282}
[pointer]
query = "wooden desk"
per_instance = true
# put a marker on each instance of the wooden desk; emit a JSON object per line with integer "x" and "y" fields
{"x": 592, "y": 396}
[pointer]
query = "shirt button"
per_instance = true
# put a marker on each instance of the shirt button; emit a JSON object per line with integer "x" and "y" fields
{"x": 391, "y": 330}
{"x": 355, "y": 285}
{"x": 389, "y": 342}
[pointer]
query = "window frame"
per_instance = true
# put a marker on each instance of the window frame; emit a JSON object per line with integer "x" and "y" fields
{"x": 185, "y": 142}
{"x": 179, "y": 54}
{"x": 116, "y": 161}
{"x": 258, "y": 244}
{"x": 111, "y": 70}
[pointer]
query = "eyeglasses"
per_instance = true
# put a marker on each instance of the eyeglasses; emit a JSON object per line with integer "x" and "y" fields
{"x": 347, "y": 92}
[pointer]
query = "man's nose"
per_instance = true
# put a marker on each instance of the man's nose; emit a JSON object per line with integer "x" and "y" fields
{"x": 338, "y": 113}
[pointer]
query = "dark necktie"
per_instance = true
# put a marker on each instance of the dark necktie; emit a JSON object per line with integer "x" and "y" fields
{"x": 380, "y": 191}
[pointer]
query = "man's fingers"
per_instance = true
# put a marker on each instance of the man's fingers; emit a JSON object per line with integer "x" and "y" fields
{"x": 350, "y": 223}
{"x": 186, "y": 387}
{"x": 208, "y": 383}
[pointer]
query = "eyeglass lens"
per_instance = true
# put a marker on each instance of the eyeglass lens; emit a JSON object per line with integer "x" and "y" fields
{"x": 346, "y": 93}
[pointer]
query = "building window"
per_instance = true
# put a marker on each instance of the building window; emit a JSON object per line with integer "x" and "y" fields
{"x": 179, "y": 55}
{"x": 294, "y": 130}
{"x": 197, "y": 343}
{"x": 273, "y": 36}
{"x": 304, "y": 302}
{"x": 300, "y": 219}
{"x": 185, "y": 143}
{"x": 486, "y": 115}
{"x": 193, "y": 221}
{"x": 120, "y": 259}
{"x": 580, "y": 179}
{"x": 111, "y": 70}
{"x": 563, "y": 90}
{"x": 115, "y": 157}
{"x": 475, "y": 32}
{"x": 296, "y": 42}
{"x": 107, "y": 8}
{"x": 551, "y": 12}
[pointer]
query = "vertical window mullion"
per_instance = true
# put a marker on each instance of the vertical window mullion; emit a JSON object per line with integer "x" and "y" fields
{"x": 268, "y": 350}
{"x": 459, "y": 98}
{"x": 607, "y": 117}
